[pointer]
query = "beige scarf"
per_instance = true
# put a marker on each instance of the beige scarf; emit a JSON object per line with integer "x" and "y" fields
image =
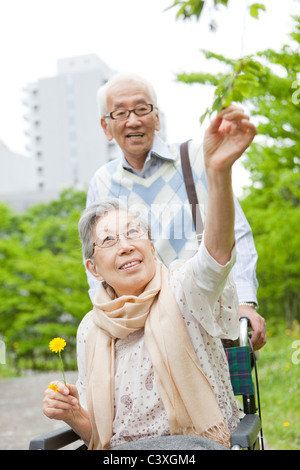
{"x": 187, "y": 395}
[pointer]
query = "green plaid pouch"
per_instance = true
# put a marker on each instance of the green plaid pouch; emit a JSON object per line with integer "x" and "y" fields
{"x": 240, "y": 370}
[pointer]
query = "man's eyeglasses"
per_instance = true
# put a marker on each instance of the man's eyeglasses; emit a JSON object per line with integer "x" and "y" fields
{"x": 122, "y": 113}
{"x": 133, "y": 233}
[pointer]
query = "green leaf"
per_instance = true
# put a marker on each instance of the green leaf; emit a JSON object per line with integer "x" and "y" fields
{"x": 255, "y": 8}
{"x": 203, "y": 116}
{"x": 223, "y": 2}
{"x": 190, "y": 8}
{"x": 187, "y": 9}
{"x": 197, "y": 8}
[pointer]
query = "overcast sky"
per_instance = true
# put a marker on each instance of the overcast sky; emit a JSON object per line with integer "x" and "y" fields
{"x": 132, "y": 35}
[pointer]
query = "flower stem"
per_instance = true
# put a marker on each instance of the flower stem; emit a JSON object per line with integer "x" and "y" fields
{"x": 62, "y": 367}
{"x": 63, "y": 372}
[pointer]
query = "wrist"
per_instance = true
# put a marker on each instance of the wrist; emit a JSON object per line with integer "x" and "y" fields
{"x": 80, "y": 423}
{"x": 219, "y": 184}
{"x": 218, "y": 173}
{"x": 249, "y": 304}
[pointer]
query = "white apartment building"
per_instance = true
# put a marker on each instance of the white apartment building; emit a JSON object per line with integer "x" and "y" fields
{"x": 17, "y": 178}
{"x": 63, "y": 125}
{"x": 66, "y": 143}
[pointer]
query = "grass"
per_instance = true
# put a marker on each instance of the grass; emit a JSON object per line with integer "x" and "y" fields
{"x": 7, "y": 371}
{"x": 279, "y": 381}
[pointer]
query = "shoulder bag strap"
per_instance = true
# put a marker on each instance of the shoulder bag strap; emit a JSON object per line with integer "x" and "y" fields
{"x": 190, "y": 187}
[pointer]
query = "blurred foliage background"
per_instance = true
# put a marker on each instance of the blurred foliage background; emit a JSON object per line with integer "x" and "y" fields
{"x": 268, "y": 84}
{"x": 44, "y": 291}
{"x": 43, "y": 281}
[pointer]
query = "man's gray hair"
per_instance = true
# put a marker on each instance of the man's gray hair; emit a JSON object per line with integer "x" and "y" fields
{"x": 91, "y": 215}
{"x": 122, "y": 77}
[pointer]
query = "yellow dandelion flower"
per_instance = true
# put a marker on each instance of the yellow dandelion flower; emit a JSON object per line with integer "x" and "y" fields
{"x": 57, "y": 345}
{"x": 286, "y": 424}
{"x": 53, "y": 387}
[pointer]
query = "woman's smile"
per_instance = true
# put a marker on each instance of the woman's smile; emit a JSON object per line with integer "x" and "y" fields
{"x": 130, "y": 265}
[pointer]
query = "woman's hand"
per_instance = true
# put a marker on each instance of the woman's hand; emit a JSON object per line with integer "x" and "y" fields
{"x": 227, "y": 138}
{"x": 64, "y": 405}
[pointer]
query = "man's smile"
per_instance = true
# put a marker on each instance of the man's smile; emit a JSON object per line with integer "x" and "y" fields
{"x": 135, "y": 135}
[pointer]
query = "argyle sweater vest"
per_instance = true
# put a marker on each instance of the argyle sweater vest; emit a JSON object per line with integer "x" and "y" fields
{"x": 162, "y": 198}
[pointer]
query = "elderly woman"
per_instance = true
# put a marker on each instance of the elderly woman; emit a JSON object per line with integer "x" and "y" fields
{"x": 150, "y": 358}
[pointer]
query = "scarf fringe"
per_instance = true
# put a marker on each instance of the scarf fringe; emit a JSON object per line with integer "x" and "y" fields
{"x": 218, "y": 433}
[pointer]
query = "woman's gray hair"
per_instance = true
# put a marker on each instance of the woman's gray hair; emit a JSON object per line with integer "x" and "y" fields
{"x": 91, "y": 215}
{"x": 122, "y": 77}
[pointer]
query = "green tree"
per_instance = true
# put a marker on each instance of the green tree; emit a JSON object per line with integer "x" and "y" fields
{"x": 269, "y": 83}
{"x": 44, "y": 291}
{"x": 273, "y": 201}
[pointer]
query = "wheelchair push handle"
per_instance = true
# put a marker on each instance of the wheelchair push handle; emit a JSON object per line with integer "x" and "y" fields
{"x": 244, "y": 324}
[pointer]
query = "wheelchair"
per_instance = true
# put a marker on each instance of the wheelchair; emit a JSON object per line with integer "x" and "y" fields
{"x": 247, "y": 435}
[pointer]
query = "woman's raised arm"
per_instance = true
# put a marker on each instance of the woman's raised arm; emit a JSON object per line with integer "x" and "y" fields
{"x": 227, "y": 137}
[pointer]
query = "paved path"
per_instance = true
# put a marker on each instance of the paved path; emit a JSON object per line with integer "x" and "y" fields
{"x": 21, "y": 416}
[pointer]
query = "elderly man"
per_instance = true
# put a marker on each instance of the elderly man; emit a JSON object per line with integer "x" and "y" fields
{"x": 149, "y": 174}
